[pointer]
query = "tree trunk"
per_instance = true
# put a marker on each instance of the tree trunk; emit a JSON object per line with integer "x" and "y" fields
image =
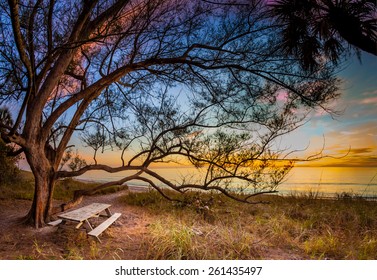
{"x": 44, "y": 178}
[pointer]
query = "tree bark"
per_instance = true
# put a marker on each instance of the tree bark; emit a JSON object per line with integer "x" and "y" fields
{"x": 44, "y": 178}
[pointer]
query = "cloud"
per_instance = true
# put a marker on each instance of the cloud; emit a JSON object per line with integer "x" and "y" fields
{"x": 357, "y": 151}
{"x": 347, "y": 145}
{"x": 373, "y": 92}
{"x": 368, "y": 101}
{"x": 348, "y": 133}
{"x": 282, "y": 95}
{"x": 355, "y": 161}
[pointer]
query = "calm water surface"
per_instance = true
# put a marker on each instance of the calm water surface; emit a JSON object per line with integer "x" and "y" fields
{"x": 328, "y": 181}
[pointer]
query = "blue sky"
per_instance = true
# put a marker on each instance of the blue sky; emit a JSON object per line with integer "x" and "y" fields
{"x": 352, "y": 133}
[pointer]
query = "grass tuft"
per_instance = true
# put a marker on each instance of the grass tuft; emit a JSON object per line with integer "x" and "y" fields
{"x": 172, "y": 242}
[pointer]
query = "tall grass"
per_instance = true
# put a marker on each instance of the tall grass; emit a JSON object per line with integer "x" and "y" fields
{"x": 297, "y": 226}
{"x": 23, "y": 188}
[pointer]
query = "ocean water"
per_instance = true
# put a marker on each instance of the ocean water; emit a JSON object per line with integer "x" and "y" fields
{"x": 332, "y": 180}
{"x": 326, "y": 181}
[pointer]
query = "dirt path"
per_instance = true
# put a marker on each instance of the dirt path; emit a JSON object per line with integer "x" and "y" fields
{"x": 123, "y": 240}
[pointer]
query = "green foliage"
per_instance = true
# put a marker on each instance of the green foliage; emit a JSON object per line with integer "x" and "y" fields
{"x": 22, "y": 188}
{"x": 65, "y": 188}
{"x": 73, "y": 160}
{"x": 8, "y": 165}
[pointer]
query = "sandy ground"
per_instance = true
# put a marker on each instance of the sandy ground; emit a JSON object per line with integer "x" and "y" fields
{"x": 123, "y": 240}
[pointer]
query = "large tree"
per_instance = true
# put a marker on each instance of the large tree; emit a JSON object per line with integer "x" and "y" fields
{"x": 170, "y": 80}
{"x": 314, "y": 30}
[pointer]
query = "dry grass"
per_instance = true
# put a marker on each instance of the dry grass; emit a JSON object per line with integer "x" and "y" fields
{"x": 305, "y": 227}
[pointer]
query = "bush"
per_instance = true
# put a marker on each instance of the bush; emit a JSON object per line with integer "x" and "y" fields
{"x": 8, "y": 165}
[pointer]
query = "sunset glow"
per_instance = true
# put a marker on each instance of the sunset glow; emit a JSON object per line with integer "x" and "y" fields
{"x": 349, "y": 138}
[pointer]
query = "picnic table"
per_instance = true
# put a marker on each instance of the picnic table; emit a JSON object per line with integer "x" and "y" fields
{"x": 82, "y": 216}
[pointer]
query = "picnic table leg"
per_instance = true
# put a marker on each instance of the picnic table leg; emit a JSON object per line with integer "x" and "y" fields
{"x": 61, "y": 225}
{"x": 79, "y": 225}
{"x": 108, "y": 212}
{"x": 97, "y": 238}
{"x": 88, "y": 225}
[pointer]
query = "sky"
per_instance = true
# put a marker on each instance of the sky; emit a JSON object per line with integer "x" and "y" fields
{"x": 349, "y": 138}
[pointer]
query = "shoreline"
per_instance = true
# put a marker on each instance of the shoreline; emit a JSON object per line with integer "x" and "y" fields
{"x": 308, "y": 194}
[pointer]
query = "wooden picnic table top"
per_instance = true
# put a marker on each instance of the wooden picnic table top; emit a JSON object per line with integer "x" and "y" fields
{"x": 84, "y": 213}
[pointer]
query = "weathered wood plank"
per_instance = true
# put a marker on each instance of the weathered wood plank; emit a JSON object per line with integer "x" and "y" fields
{"x": 55, "y": 223}
{"x": 103, "y": 226}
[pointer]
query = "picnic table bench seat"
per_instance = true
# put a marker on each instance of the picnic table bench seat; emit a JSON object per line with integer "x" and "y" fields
{"x": 55, "y": 223}
{"x": 104, "y": 225}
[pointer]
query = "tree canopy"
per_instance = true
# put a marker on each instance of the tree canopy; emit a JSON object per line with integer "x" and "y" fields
{"x": 314, "y": 30}
{"x": 194, "y": 82}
